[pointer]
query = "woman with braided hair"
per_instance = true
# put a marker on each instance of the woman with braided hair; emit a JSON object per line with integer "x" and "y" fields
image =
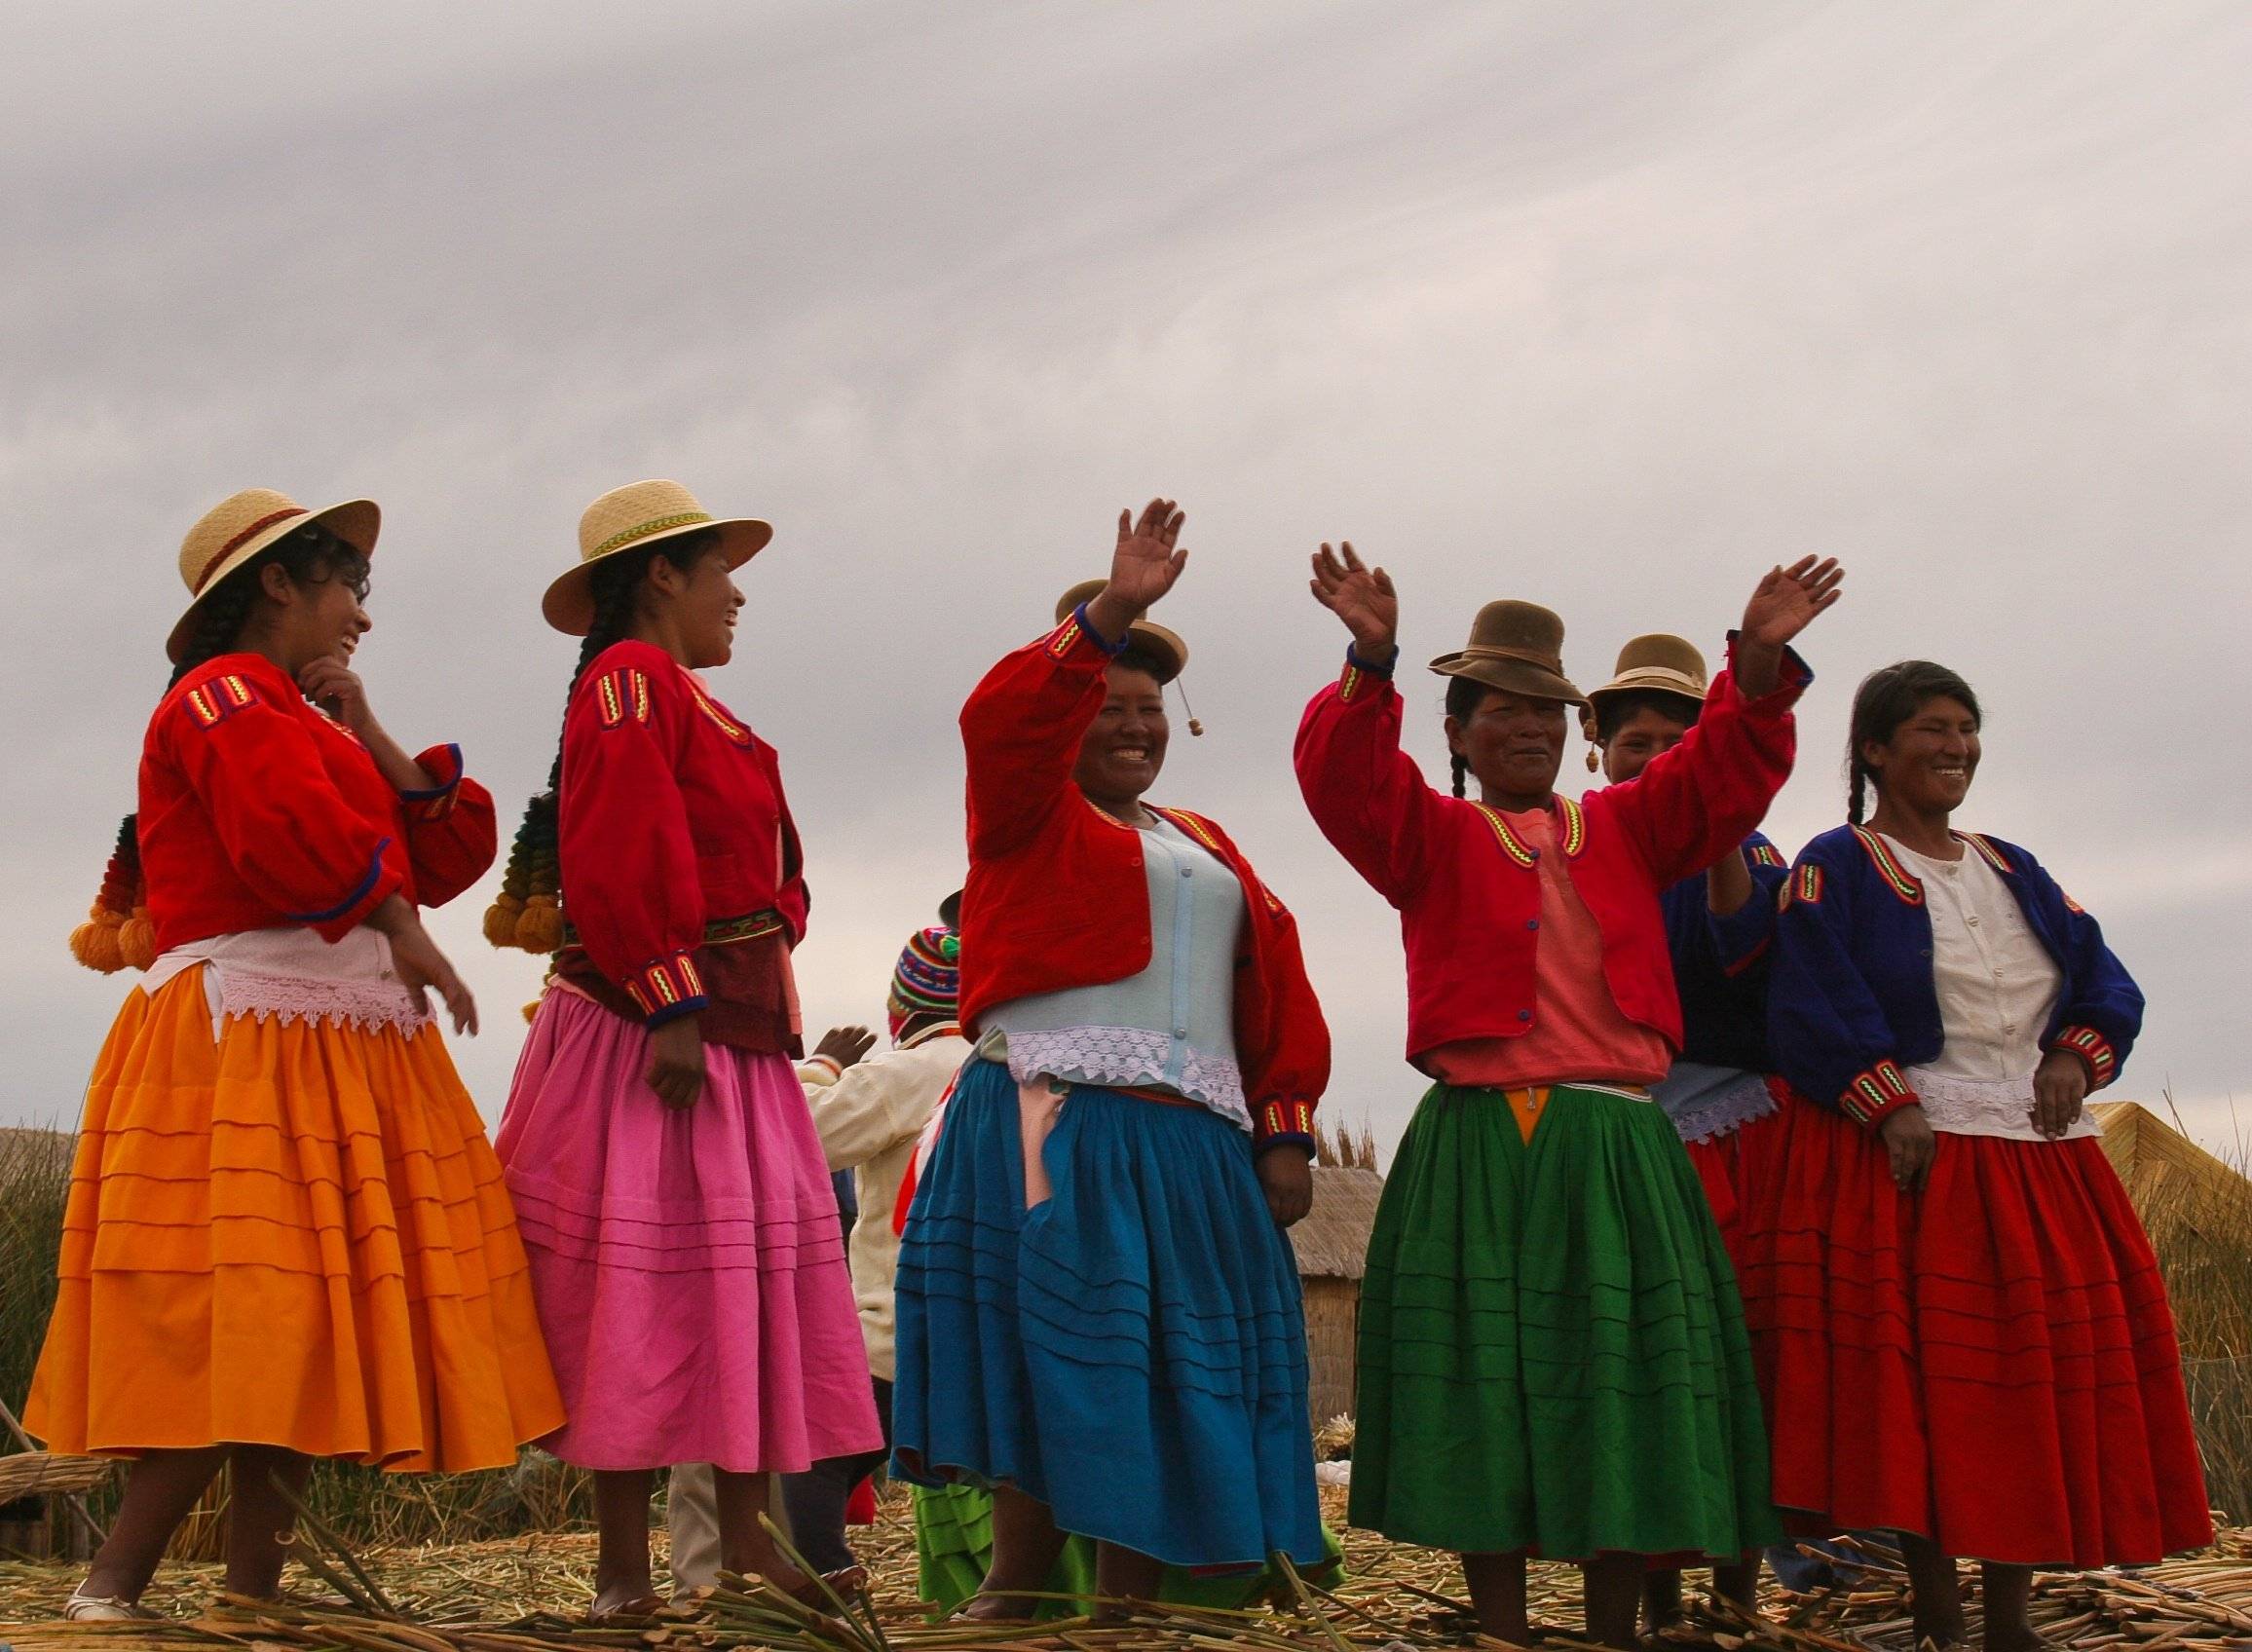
{"x": 683, "y": 1229}
{"x": 286, "y": 1236}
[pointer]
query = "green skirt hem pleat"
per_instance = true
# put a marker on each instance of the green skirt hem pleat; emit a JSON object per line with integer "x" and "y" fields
{"x": 1553, "y": 1356}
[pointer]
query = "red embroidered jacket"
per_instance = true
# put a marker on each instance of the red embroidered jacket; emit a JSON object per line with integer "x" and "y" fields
{"x": 1057, "y": 896}
{"x": 674, "y": 830}
{"x": 1467, "y": 888}
{"x": 259, "y": 811}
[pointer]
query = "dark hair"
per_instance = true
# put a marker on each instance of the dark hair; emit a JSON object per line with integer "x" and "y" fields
{"x": 1464, "y": 696}
{"x": 1156, "y": 666}
{"x": 1884, "y": 701}
{"x": 116, "y": 933}
{"x": 528, "y": 911}
{"x": 1614, "y": 711}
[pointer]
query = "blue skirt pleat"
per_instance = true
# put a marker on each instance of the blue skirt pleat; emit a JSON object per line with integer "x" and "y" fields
{"x": 1132, "y": 1352}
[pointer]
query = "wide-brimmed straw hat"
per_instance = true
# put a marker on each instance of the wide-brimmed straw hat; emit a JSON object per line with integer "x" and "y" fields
{"x": 629, "y": 518}
{"x": 1517, "y": 647}
{"x": 1165, "y": 649}
{"x": 240, "y": 526}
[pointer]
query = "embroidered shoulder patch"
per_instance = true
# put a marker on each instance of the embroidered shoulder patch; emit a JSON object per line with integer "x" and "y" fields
{"x": 1766, "y": 854}
{"x": 623, "y": 696}
{"x": 1803, "y": 884}
{"x": 2072, "y": 906}
{"x": 212, "y": 703}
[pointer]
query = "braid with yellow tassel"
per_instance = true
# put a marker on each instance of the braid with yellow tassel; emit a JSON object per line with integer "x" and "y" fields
{"x": 528, "y": 911}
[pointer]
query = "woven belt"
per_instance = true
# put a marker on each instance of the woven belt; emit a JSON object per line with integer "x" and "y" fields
{"x": 720, "y": 931}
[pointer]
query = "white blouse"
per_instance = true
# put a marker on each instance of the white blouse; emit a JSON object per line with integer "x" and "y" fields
{"x": 1998, "y": 989}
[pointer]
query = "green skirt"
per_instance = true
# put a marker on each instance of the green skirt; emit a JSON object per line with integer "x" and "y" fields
{"x": 954, "y": 1544}
{"x": 1552, "y": 1352}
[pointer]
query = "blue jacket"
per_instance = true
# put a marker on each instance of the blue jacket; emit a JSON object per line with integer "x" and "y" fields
{"x": 1851, "y": 1000}
{"x": 1720, "y": 964}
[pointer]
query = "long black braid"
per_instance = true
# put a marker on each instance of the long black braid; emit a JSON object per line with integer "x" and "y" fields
{"x": 116, "y": 933}
{"x": 1885, "y": 701}
{"x": 528, "y": 911}
{"x": 1464, "y": 696}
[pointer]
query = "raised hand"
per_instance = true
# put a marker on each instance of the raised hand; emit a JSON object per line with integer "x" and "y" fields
{"x": 1142, "y": 568}
{"x": 1361, "y": 597}
{"x": 847, "y": 1046}
{"x": 1788, "y": 599}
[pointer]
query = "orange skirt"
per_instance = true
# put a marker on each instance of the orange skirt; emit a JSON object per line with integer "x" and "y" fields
{"x": 296, "y": 1235}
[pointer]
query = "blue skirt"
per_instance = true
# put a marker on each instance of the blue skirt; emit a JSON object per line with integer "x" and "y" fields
{"x": 1132, "y": 1352}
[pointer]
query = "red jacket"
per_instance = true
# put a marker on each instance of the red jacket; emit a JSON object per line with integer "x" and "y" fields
{"x": 674, "y": 830}
{"x": 1057, "y": 896}
{"x": 1468, "y": 891}
{"x": 259, "y": 811}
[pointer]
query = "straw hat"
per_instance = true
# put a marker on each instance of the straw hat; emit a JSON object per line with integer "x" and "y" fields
{"x": 240, "y": 526}
{"x": 1169, "y": 652}
{"x": 1657, "y": 663}
{"x": 1517, "y": 647}
{"x": 631, "y": 518}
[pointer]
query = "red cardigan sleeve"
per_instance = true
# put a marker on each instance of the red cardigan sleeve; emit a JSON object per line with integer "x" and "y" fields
{"x": 1020, "y": 729}
{"x": 1701, "y": 800}
{"x": 629, "y": 862}
{"x": 1365, "y": 793}
{"x": 285, "y": 827}
{"x": 451, "y": 834}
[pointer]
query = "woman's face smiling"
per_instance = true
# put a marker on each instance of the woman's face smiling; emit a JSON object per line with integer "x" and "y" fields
{"x": 1514, "y": 744}
{"x": 706, "y": 607}
{"x": 1124, "y": 747}
{"x": 1928, "y": 764}
{"x": 1639, "y": 738}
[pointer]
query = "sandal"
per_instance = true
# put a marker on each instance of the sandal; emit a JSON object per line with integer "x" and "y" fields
{"x": 85, "y": 1609}
{"x": 634, "y": 1609}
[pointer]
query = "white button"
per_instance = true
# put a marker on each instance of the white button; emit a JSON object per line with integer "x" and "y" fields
{"x": 1181, "y": 1031}
{"x": 1974, "y": 920}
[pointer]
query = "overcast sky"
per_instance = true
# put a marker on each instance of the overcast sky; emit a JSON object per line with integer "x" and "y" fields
{"x": 1607, "y": 307}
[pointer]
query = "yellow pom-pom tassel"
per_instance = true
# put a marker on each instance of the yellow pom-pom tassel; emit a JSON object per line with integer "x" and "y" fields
{"x": 500, "y": 920}
{"x": 94, "y": 943}
{"x": 137, "y": 938}
{"x": 541, "y": 927}
{"x": 530, "y": 1010}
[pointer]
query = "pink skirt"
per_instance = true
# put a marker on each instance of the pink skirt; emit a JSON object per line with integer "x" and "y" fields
{"x": 688, "y": 1265}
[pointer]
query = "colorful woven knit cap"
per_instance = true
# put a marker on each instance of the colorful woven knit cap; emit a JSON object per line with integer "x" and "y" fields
{"x": 929, "y": 978}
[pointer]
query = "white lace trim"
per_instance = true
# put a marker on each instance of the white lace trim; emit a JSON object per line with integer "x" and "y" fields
{"x": 1986, "y": 1107}
{"x": 293, "y": 974}
{"x": 1132, "y": 1056}
{"x": 1719, "y": 1113}
{"x": 289, "y": 998}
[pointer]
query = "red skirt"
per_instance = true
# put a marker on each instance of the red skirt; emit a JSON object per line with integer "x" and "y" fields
{"x": 1729, "y": 1166}
{"x": 1990, "y": 1364}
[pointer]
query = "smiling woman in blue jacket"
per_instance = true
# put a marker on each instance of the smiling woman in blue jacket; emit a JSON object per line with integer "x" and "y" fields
{"x": 1965, "y": 1332}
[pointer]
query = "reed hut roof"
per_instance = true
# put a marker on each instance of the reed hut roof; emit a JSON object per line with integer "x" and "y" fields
{"x": 2163, "y": 1170}
{"x": 1332, "y": 1242}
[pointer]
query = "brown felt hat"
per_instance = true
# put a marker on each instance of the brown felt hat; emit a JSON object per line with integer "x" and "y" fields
{"x": 1169, "y": 652}
{"x": 1517, "y": 647}
{"x": 1657, "y": 663}
{"x": 240, "y": 526}
{"x": 629, "y": 518}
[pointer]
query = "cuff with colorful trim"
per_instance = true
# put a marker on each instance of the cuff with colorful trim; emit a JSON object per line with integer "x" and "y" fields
{"x": 1791, "y": 679}
{"x": 1078, "y": 642}
{"x": 436, "y": 802}
{"x": 818, "y": 1069}
{"x": 2094, "y": 1051}
{"x": 1278, "y": 1122}
{"x": 1876, "y": 1093}
{"x": 1360, "y": 673}
{"x": 666, "y": 989}
{"x": 333, "y": 923}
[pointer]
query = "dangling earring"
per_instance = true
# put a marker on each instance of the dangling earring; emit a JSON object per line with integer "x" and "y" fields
{"x": 1593, "y": 763}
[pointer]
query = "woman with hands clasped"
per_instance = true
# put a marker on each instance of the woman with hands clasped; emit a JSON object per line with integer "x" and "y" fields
{"x": 675, "y": 1200}
{"x": 1552, "y": 1356}
{"x": 1097, "y": 1310}
{"x": 1969, "y": 1339}
{"x": 286, "y": 1236}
